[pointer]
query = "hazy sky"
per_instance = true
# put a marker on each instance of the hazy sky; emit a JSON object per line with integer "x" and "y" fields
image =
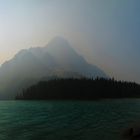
{"x": 107, "y": 32}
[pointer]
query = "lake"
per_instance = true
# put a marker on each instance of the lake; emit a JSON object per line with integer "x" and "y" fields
{"x": 67, "y": 120}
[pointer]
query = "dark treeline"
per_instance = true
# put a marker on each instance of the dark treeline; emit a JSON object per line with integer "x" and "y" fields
{"x": 80, "y": 89}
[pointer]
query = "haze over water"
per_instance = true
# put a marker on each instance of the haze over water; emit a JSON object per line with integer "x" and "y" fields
{"x": 50, "y": 46}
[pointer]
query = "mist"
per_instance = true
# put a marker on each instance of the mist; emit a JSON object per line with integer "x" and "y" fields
{"x": 106, "y": 33}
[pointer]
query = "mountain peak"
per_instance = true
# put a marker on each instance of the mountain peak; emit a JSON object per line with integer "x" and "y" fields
{"x": 59, "y": 39}
{"x": 58, "y": 43}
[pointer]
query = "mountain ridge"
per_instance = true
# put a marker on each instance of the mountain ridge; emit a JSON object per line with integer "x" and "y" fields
{"x": 57, "y": 58}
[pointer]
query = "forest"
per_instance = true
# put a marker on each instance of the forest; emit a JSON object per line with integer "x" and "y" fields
{"x": 80, "y": 89}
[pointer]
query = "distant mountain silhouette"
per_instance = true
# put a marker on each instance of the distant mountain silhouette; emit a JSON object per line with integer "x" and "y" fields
{"x": 57, "y": 59}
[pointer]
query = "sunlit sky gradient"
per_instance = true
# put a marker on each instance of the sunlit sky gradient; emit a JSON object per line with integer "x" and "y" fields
{"x": 107, "y": 32}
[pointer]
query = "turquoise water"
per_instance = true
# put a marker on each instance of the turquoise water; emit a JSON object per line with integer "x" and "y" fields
{"x": 52, "y": 120}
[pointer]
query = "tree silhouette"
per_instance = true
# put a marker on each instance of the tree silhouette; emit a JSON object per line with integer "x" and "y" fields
{"x": 80, "y": 89}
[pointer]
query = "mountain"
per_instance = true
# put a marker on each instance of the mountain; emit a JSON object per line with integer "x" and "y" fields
{"x": 57, "y": 59}
{"x": 70, "y": 60}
